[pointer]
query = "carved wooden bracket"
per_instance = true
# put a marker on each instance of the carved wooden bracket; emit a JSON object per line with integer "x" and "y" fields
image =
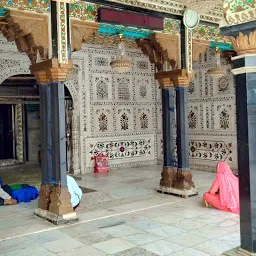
{"x": 199, "y": 47}
{"x": 29, "y": 31}
{"x": 82, "y": 31}
{"x": 171, "y": 45}
{"x": 160, "y": 48}
{"x": 50, "y": 71}
{"x": 177, "y": 78}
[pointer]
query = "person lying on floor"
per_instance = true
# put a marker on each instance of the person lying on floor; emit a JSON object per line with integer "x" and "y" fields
{"x": 74, "y": 191}
{"x": 224, "y": 192}
{"x": 6, "y": 195}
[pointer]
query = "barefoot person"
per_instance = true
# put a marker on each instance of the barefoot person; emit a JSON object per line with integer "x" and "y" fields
{"x": 224, "y": 192}
{"x": 6, "y": 195}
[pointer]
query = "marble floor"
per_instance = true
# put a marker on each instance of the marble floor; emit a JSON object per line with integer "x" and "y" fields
{"x": 125, "y": 216}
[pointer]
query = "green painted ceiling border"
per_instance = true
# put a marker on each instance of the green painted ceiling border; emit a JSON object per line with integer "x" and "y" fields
{"x": 130, "y": 33}
{"x": 3, "y": 11}
{"x": 221, "y": 46}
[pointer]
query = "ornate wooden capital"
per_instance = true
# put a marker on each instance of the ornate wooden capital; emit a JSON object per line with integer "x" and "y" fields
{"x": 199, "y": 47}
{"x": 50, "y": 71}
{"x": 177, "y": 78}
{"x": 244, "y": 44}
{"x": 82, "y": 31}
{"x": 29, "y": 31}
{"x": 164, "y": 79}
{"x": 180, "y": 77}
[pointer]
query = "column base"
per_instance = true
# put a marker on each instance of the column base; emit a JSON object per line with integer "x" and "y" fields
{"x": 178, "y": 192}
{"x": 168, "y": 176}
{"x": 60, "y": 201}
{"x": 238, "y": 252}
{"x": 57, "y": 219}
{"x": 44, "y": 197}
{"x": 177, "y": 182}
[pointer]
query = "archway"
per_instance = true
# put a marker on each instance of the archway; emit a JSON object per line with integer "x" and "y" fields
{"x": 19, "y": 98}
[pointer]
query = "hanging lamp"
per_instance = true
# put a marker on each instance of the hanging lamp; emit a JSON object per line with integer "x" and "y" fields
{"x": 121, "y": 64}
{"x": 217, "y": 72}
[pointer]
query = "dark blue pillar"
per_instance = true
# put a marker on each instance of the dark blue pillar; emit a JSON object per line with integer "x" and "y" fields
{"x": 183, "y": 184}
{"x": 246, "y": 145}
{"x": 168, "y": 125}
{"x": 244, "y": 66}
{"x": 48, "y": 175}
{"x": 169, "y": 167}
{"x": 58, "y": 130}
{"x": 46, "y": 138}
{"x": 182, "y": 128}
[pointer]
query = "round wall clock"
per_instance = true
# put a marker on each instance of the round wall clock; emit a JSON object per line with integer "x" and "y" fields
{"x": 191, "y": 18}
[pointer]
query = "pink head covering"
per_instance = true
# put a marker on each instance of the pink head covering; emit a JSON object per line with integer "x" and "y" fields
{"x": 229, "y": 187}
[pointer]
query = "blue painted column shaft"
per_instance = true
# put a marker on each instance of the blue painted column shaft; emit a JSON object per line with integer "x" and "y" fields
{"x": 246, "y": 145}
{"x": 46, "y": 138}
{"x": 58, "y": 130}
{"x": 182, "y": 128}
{"x": 168, "y": 121}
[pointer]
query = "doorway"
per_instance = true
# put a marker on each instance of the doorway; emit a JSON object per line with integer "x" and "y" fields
{"x": 6, "y": 132}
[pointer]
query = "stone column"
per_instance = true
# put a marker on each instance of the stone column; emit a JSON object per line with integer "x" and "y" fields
{"x": 169, "y": 168}
{"x": 184, "y": 185}
{"x": 176, "y": 180}
{"x": 46, "y": 147}
{"x": 244, "y": 69}
{"x": 54, "y": 72}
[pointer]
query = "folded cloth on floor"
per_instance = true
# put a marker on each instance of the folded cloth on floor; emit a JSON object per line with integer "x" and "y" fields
{"x": 25, "y": 194}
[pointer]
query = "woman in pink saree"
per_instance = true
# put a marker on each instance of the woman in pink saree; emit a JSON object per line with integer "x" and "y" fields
{"x": 224, "y": 192}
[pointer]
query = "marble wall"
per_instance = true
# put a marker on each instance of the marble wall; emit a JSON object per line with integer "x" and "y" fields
{"x": 118, "y": 112}
{"x": 211, "y": 118}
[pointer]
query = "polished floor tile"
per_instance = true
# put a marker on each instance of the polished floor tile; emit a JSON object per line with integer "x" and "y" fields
{"x": 114, "y": 245}
{"x": 62, "y": 245}
{"x": 163, "y": 247}
{"x": 83, "y": 251}
{"x": 190, "y": 252}
{"x": 166, "y": 231}
{"x": 142, "y": 238}
{"x": 146, "y": 224}
{"x": 187, "y": 239}
{"x": 120, "y": 230}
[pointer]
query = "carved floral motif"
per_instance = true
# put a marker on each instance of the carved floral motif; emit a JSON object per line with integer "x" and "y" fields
{"x": 237, "y": 11}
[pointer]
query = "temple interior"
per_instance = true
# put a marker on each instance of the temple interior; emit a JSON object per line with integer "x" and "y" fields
{"x": 137, "y": 102}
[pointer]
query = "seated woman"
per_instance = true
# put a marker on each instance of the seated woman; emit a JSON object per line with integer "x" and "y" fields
{"x": 224, "y": 192}
{"x": 6, "y": 195}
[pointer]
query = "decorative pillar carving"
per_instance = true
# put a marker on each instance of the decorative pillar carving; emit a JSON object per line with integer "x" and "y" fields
{"x": 19, "y": 132}
{"x": 244, "y": 44}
